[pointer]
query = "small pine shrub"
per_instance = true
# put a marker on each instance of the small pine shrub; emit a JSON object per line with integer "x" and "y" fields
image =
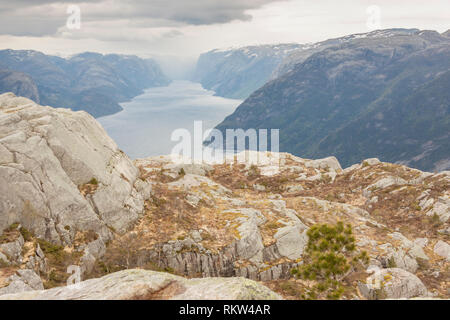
{"x": 329, "y": 255}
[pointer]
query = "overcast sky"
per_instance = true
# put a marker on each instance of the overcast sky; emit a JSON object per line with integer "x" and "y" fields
{"x": 189, "y": 27}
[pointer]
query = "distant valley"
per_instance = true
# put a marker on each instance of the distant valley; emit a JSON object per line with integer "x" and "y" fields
{"x": 236, "y": 73}
{"x": 382, "y": 94}
{"x": 322, "y": 219}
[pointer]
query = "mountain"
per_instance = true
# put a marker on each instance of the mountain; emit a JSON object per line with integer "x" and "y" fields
{"x": 18, "y": 83}
{"x": 89, "y": 81}
{"x": 70, "y": 197}
{"x": 302, "y": 53}
{"x": 236, "y": 73}
{"x": 381, "y": 94}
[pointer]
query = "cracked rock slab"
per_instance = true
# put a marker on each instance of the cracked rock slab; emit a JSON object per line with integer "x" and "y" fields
{"x": 46, "y": 154}
{"x": 143, "y": 284}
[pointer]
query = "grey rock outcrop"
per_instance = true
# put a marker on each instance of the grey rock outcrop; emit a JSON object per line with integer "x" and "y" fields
{"x": 142, "y": 284}
{"x": 291, "y": 241}
{"x": 190, "y": 258}
{"x": 372, "y": 161}
{"x": 47, "y": 155}
{"x": 392, "y": 283}
{"x": 400, "y": 259}
{"x": 13, "y": 250}
{"x": 404, "y": 256}
{"x": 441, "y": 208}
{"x": 442, "y": 249}
{"x": 326, "y": 163}
{"x": 386, "y": 182}
{"x": 23, "y": 280}
{"x": 38, "y": 262}
{"x": 249, "y": 245}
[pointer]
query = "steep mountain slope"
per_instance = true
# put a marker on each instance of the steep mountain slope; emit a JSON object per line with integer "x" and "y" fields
{"x": 354, "y": 91}
{"x": 236, "y": 73}
{"x": 89, "y": 81}
{"x": 18, "y": 83}
{"x": 413, "y": 129}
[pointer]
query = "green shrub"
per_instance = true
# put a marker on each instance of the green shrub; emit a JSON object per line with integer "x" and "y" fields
{"x": 10, "y": 234}
{"x": 13, "y": 227}
{"x": 54, "y": 252}
{"x": 3, "y": 264}
{"x": 26, "y": 234}
{"x": 391, "y": 263}
{"x": 435, "y": 220}
{"x": 329, "y": 255}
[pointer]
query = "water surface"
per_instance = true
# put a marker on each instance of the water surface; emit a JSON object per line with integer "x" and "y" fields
{"x": 145, "y": 125}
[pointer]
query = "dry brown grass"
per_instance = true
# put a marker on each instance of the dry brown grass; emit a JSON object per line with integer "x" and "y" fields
{"x": 169, "y": 216}
{"x": 172, "y": 289}
{"x": 10, "y": 234}
{"x": 88, "y": 188}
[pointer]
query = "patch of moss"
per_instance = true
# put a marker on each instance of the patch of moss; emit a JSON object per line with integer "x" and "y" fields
{"x": 26, "y": 234}
{"x": 391, "y": 263}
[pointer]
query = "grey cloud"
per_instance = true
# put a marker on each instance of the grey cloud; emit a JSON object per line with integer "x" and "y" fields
{"x": 33, "y": 26}
{"x": 27, "y": 17}
{"x": 8, "y": 6}
{"x": 32, "y": 17}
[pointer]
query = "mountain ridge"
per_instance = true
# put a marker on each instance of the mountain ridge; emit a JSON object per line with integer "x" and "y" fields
{"x": 237, "y": 72}
{"x": 327, "y": 90}
{"x": 88, "y": 81}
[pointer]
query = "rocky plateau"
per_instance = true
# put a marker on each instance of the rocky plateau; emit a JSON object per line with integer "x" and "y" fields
{"x": 156, "y": 228}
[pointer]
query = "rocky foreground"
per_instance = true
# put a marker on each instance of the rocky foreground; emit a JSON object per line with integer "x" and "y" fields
{"x": 70, "y": 197}
{"x": 143, "y": 285}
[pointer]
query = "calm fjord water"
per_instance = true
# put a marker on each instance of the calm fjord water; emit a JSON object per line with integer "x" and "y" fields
{"x": 145, "y": 125}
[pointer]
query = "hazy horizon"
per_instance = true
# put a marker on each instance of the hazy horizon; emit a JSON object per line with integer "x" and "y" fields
{"x": 183, "y": 30}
